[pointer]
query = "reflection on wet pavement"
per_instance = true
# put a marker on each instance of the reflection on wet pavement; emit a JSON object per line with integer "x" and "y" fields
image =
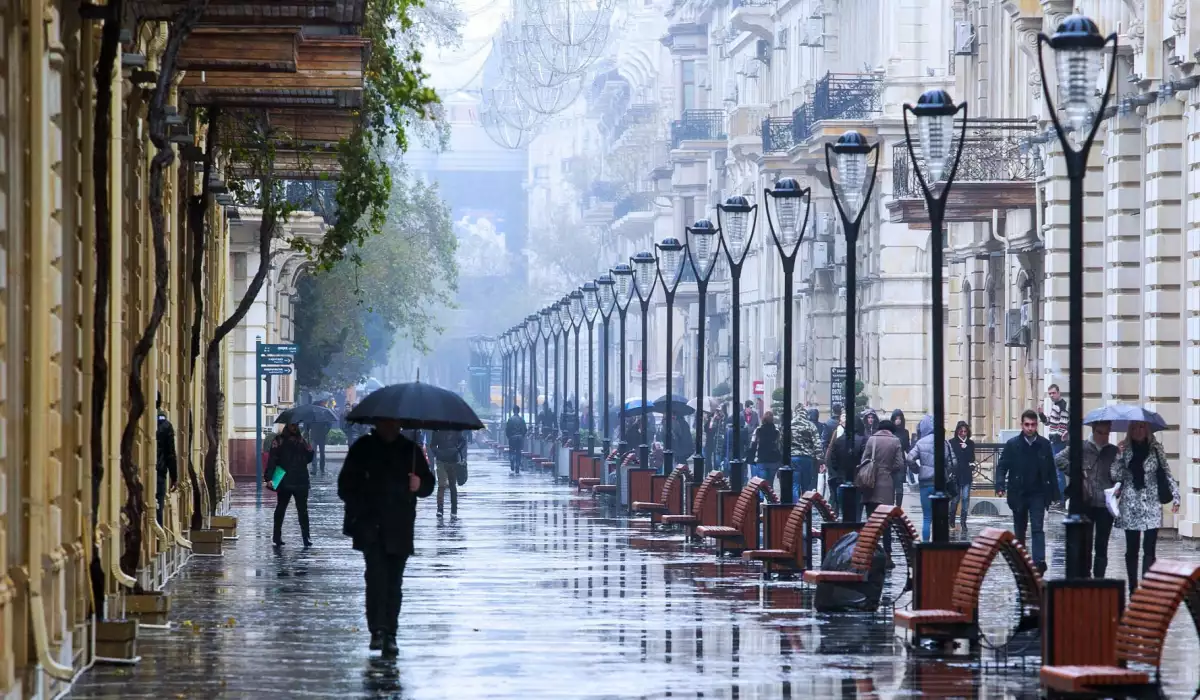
{"x": 536, "y": 592}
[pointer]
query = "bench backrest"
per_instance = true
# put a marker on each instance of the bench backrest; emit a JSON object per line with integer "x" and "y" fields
{"x": 793, "y": 529}
{"x": 672, "y": 485}
{"x": 713, "y": 482}
{"x": 984, "y": 549}
{"x": 748, "y": 499}
{"x": 1152, "y": 606}
{"x": 883, "y": 517}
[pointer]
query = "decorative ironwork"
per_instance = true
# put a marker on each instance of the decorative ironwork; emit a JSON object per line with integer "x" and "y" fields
{"x": 802, "y": 122}
{"x": 751, "y": 3}
{"x": 604, "y": 190}
{"x": 698, "y": 125}
{"x": 633, "y": 202}
{"x": 777, "y": 135}
{"x": 994, "y": 151}
{"x": 634, "y": 115}
{"x": 847, "y": 96}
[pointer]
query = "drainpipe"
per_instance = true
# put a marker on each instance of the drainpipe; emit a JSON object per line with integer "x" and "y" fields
{"x": 116, "y": 188}
{"x": 1007, "y": 284}
{"x": 39, "y": 341}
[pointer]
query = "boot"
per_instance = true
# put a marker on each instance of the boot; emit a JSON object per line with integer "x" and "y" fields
{"x": 390, "y": 649}
{"x": 376, "y": 641}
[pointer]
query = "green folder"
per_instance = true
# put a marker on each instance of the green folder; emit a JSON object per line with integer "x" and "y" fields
{"x": 277, "y": 477}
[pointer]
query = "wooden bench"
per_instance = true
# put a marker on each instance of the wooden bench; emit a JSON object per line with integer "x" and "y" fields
{"x": 704, "y": 504}
{"x": 961, "y": 619}
{"x": 882, "y": 518}
{"x": 670, "y": 495}
{"x": 740, "y": 526}
{"x": 793, "y": 552}
{"x": 1139, "y": 637}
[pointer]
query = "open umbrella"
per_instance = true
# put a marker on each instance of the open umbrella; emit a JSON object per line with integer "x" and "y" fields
{"x": 1122, "y": 414}
{"x": 636, "y": 406}
{"x": 416, "y": 405}
{"x": 309, "y": 413}
{"x": 679, "y": 405}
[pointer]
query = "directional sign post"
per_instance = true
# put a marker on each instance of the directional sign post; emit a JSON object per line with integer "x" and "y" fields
{"x": 271, "y": 359}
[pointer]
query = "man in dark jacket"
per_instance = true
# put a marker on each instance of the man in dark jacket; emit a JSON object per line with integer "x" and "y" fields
{"x": 515, "y": 431}
{"x": 384, "y": 475}
{"x": 844, "y": 459}
{"x": 167, "y": 465}
{"x": 318, "y": 433}
{"x": 1026, "y": 474}
{"x": 546, "y": 420}
{"x": 831, "y": 426}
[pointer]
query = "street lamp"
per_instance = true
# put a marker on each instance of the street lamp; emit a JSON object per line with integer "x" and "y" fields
{"x": 547, "y": 325}
{"x": 623, "y": 287}
{"x": 851, "y": 191}
{"x": 1079, "y": 57}
{"x": 670, "y": 268}
{"x": 786, "y": 199}
{"x": 564, "y": 318}
{"x": 591, "y": 305}
{"x": 737, "y": 226}
{"x": 487, "y": 347}
{"x": 644, "y": 270}
{"x": 606, "y": 296}
{"x": 533, "y": 329}
{"x": 703, "y": 239}
{"x": 935, "y": 112}
{"x": 502, "y": 343}
{"x": 556, "y": 331}
{"x": 576, "y": 310}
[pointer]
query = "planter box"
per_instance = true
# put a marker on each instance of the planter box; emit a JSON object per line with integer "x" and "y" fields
{"x": 227, "y": 524}
{"x": 207, "y": 541}
{"x": 117, "y": 639}
{"x": 148, "y": 608}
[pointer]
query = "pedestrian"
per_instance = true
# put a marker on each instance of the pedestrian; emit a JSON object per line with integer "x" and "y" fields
{"x": 806, "y": 451}
{"x": 831, "y": 427}
{"x": 546, "y": 420}
{"x": 289, "y": 451}
{"x": 449, "y": 451}
{"x": 886, "y": 457}
{"x": 764, "y": 449}
{"x": 871, "y": 420}
{"x": 318, "y": 433}
{"x": 1099, "y": 454}
{"x": 167, "y": 465}
{"x": 713, "y": 431}
{"x": 920, "y": 462}
{"x": 515, "y": 431}
{"x": 682, "y": 442}
{"x": 1146, "y": 486}
{"x": 570, "y": 421}
{"x": 901, "y": 432}
{"x": 963, "y": 448}
{"x": 384, "y": 475}
{"x": 1056, "y": 416}
{"x": 843, "y": 459}
{"x": 1026, "y": 476}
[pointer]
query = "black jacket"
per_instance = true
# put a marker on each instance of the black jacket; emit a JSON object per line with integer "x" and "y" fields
{"x": 842, "y": 465}
{"x": 766, "y": 445}
{"x": 373, "y": 483}
{"x": 515, "y": 427}
{"x": 318, "y": 432}
{"x": 293, "y": 454}
{"x": 964, "y": 456}
{"x": 1027, "y": 471}
{"x": 167, "y": 464}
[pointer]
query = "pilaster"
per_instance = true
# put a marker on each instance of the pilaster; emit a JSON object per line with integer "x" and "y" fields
{"x": 1122, "y": 381}
{"x": 1188, "y": 470}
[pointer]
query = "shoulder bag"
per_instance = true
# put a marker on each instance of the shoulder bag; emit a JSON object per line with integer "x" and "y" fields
{"x": 460, "y": 473}
{"x": 1160, "y": 476}
{"x": 864, "y": 477}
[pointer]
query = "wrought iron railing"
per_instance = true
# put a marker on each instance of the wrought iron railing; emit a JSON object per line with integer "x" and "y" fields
{"x": 604, "y": 190}
{"x": 633, "y": 202}
{"x": 847, "y": 96}
{"x": 994, "y": 151}
{"x": 777, "y": 135}
{"x": 802, "y": 121}
{"x": 633, "y": 115}
{"x": 698, "y": 125}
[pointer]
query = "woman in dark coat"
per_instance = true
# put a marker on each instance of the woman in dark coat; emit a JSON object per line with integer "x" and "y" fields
{"x": 384, "y": 475}
{"x": 963, "y": 449}
{"x": 292, "y": 453}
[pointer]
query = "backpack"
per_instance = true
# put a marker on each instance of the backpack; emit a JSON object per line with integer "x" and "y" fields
{"x": 445, "y": 446}
{"x": 864, "y": 476}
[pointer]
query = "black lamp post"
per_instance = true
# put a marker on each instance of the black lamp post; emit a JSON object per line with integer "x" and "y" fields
{"x": 564, "y": 319}
{"x": 606, "y": 295}
{"x": 1079, "y": 57}
{"x": 851, "y": 191}
{"x": 533, "y": 330}
{"x": 591, "y": 305}
{"x": 547, "y": 329}
{"x": 502, "y": 343}
{"x": 644, "y": 269}
{"x": 703, "y": 239}
{"x": 786, "y": 199}
{"x": 555, "y": 324}
{"x": 576, "y": 309}
{"x": 737, "y": 219}
{"x": 623, "y": 286}
{"x": 487, "y": 350}
{"x": 670, "y": 266}
{"x": 519, "y": 397}
{"x": 935, "y": 113}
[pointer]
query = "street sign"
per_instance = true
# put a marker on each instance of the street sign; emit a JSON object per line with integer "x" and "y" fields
{"x": 278, "y": 349}
{"x": 275, "y": 369}
{"x": 274, "y": 360}
{"x": 837, "y": 386}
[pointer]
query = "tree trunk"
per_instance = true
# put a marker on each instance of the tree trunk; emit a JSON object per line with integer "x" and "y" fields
{"x": 110, "y": 39}
{"x": 135, "y": 505}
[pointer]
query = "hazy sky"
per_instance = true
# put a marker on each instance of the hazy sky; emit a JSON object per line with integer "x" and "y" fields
{"x": 455, "y": 69}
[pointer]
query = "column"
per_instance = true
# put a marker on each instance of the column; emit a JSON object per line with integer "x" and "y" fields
{"x": 1123, "y": 277}
{"x": 1188, "y": 469}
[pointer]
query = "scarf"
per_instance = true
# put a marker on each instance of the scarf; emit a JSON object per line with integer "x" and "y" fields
{"x": 1137, "y": 464}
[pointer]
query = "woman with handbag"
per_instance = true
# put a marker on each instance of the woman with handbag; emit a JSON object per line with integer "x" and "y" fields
{"x": 290, "y": 452}
{"x": 963, "y": 448}
{"x": 1146, "y": 486}
{"x": 883, "y": 459}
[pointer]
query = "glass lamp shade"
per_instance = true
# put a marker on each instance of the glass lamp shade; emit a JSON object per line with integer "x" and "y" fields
{"x": 564, "y": 313}
{"x": 476, "y": 343}
{"x": 553, "y": 319}
{"x": 786, "y": 199}
{"x": 623, "y": 279}
{"x": 1079, "y": 58}
{"x": 487, "y": 347}
{"x": 702, "y": 248}
{"x": 670, "y": 262}
{"x": 576, "y": 306}
{"x": 851, "y": 152}
{"x": 735, "y": 225}
{"x": 644, "y": 270}
{"x": 935, "y": 112}
{"x": 591, "y": 301}
{"x": 606, "y": 293}
{"x": 533, "y": 327}
{"x": 547, "y": 322}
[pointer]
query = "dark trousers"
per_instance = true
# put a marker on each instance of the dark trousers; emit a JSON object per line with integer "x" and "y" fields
{"x": 160, "y": 488}
{"x": 283, "y": 496}
{"x": 835, "y": 494}
{"x": 1031, "y": 514}
{"x": 1102, "y": 521}
{"x": 1148, "y": 540}
{"x": 385, "y": 589}
{"x": 320, "y": 446}
{"x": 515, "y": 446}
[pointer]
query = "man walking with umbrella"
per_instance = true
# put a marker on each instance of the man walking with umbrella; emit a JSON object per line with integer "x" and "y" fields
{"x": 515, "y": 430}
{"x": 318, "y": 433}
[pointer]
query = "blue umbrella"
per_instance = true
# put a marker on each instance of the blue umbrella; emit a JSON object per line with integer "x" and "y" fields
{"x": 1121, "y": 415}
{"x": 636, "y": 405}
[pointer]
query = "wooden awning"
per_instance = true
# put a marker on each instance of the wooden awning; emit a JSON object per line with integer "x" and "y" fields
{"x": 260, "y": 12}
{"x": 297, "y": 165}
{"x": 311, "y": 128}
{"x": 241, "y": 49}
{"x": 969, "y": 201}
{"x": 322, "y": 63}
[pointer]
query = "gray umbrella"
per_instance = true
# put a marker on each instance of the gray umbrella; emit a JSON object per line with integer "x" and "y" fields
{"x": 1121, "y": 415}
{"x": 308, "y": 413}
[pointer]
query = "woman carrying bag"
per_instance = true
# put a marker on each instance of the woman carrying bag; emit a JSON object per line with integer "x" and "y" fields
{"x": 291, "y": 453}
{"x": 1146, "y": 486}
{"x": 883, "y": 459}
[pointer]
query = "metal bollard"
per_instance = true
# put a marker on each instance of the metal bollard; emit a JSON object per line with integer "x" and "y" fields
{"x": 737, "y": 475}
{"x": 786, "y": 479}
{"x": 848, "y": 495}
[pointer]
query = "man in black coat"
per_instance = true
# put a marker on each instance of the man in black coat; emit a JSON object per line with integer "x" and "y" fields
{"x": 167, "y": 463}
{"x": 1026, "y": 474}
{"x": 318, "y": 433}
{"x": 384, "y": 475}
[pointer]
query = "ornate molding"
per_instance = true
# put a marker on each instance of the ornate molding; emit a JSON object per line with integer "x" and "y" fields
{"x": 1178, "y": 15}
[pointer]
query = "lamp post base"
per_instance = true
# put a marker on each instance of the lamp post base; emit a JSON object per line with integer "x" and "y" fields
{"x": 668, "y": 461}
{"x": 787, "y": 479}
{"x": 591, "y": 444}
{"x": 643, "y": 455}
{"x": 848, "y": 502}
{"x": 737, "y": 474}
{"x": 939, "y": 503}
{"x": 1079, "y": 546}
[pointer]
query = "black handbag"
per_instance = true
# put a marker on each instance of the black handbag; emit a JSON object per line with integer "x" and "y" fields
{"x": 460, "y": 473}
{"x": 1160, "y": 476}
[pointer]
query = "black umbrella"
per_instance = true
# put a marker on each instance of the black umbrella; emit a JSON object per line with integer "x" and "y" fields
{"x": 416, "y": 405}
{"x": 309, "y": 413}
{"x": 679, "y": 405}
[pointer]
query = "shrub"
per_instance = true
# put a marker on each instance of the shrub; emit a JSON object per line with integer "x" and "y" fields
{"x": 335, "y": 437}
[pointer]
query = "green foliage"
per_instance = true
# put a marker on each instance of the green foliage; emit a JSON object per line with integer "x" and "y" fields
{"x": 721, "y": 389}
{"x": 860, "y": 399}
{"x": 335, "y": 437}
{"x": 777, "y": 400}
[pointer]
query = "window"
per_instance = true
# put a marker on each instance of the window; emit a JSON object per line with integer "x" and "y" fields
{"x": 689, "y": 211}
{"x": 688, "y": 85}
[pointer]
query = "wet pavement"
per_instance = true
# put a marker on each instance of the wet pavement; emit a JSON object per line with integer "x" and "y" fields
{"x": 537, "y": 592}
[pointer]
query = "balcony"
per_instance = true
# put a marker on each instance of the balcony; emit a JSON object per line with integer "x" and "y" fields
{"x": 745, "y": 128}
{"x": 633, "y": 214}
{"x": 698, "y": 125}
{"x": 753, "y": 16}
{"x": 633, "y": 202}
{"x": 997, "y": 171}
{"x": 635, "y": 115}
{"x": 847, "y": 96}
{"x": 778, "y": 135}
{"x": 599, "y": 200}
